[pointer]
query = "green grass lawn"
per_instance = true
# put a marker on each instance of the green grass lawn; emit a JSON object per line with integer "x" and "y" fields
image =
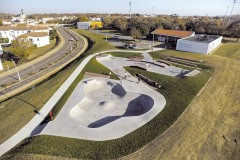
{"x": 178, "y": 93}
{"x": 98, "y": 39}
{"x": 19, "y": 110}
{"x": 42, "y": 50}
{"x": 125, "y": 54}
{"x": 7, "y": 63}
{"x": 229, "y": 50}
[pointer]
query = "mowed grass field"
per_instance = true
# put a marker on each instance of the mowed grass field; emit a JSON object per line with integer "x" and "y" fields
{"x": 19, "y": 110}
{"x": 209, "y": 128}
{"x": 178, "y": 92}
{"x": 125, "y": 54}
{"x": 42, "y": 50}
{"x": 229, "y": 50}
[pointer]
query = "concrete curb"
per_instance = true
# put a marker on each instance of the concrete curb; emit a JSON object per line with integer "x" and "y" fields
{"x": 40, "y": 79}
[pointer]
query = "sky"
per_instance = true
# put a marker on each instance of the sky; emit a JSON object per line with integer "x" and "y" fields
{"x": 180, "y": 7}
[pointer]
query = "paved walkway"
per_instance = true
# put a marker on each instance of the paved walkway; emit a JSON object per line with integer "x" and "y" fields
{"x": 27, "y": 129}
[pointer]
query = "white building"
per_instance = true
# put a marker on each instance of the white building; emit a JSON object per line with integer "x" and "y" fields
{"x": 84, "y": 25}
{"x": 13, "y": 32}
{"x": 1, "y": 51}
{"x": 203, "y": 44}
{"x": 38, "y": 38}
{"x": 1, "y": 66}
{"x": 19, "y": 18}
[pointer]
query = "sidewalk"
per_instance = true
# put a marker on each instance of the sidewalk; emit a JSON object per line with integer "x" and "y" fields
{"x": 27, "y": 129}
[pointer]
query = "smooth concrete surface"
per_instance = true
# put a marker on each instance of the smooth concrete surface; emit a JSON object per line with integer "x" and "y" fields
{"x": 101, "y": 109}
{"x": 117, "y": 63}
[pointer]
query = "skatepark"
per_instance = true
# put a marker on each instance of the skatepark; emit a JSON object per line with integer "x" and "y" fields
{"x": 103, "y": 109}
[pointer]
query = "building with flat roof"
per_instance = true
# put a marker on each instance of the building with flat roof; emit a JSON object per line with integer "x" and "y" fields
{"x": 203, "y": 44}
{"x": 89, "y": 25}
{"x": 164, "y": 35}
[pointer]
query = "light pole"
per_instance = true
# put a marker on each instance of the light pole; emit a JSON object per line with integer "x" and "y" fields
{"x": 8, "y": 69}
{"x": 33, "y": 69}
{"x": 230, "y": 17}
{"x": 16, "y": 70}
{"x": 106, "y": 36}
{"x": 153, "y": 39}
{"x": 70, "y": 40}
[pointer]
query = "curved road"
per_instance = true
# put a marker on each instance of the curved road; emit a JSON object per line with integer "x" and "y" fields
{"x": 44, "y": 66}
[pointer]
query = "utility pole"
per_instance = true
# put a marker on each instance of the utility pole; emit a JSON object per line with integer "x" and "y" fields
{"x": 230, "y": 17}
{"x": 33, "y": 69}
{"x": 16, "y": 70}
{"x": 130, "y": 8}
{"x": 152, "y": 10}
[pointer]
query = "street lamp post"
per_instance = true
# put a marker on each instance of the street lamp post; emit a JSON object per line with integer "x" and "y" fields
{"x": 153, "y": 39}
{"x": 230, "y": 17}
{"x": 106, "y": 37}
{"x": 16, "y": 70}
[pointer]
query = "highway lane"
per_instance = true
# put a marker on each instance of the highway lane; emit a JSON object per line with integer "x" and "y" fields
{"x": 46, "y": 65}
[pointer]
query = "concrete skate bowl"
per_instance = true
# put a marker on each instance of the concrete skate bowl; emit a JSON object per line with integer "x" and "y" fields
{"x": 106, "y": 102}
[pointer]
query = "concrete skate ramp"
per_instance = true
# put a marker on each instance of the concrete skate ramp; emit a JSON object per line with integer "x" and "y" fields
{"x": 136, "y": 107}
{"x": 102, "y": 109}
{"x": 105, "y": 102}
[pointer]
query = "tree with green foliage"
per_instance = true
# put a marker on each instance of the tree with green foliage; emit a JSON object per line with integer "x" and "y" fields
{"x": 121, "y": 24}
{"x": 233, "y": 30}
{"x": 1, "y": 23}
{"x": 107, "y": 22}
{"x": 135, "y": 33}
{"x": 83, "y": 18}
{"x": 20, "y": 48}
{"x": 53, "y": 34}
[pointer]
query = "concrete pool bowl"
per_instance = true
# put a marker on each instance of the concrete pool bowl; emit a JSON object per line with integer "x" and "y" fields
{"x": 106, "y": 102}
{"x": 102, "y": 109}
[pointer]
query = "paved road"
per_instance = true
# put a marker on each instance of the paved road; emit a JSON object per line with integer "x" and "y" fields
{"x": 27, "y": 130}
{"x": 49, "y": 63}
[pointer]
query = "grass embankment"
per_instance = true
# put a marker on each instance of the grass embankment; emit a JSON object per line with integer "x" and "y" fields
{"x": 178, "y": 93}
{"x": 42, "y": 50}
{"x": 208, "y": 129}
{"x": 17, "y": 111}
{"x": 229, "y": 50}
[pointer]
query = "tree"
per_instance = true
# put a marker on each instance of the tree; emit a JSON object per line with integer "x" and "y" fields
{"x": 1, "y": 23}
{"x": 83, "y": 18}
{"x": 233, "y": 30}
{"x": 135, "y": 33}
{"x": 20, "y": 48}
{"x": 107, "y": 22}
{"x": 121, "y": 24}
{"x": 53, "y": 34}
